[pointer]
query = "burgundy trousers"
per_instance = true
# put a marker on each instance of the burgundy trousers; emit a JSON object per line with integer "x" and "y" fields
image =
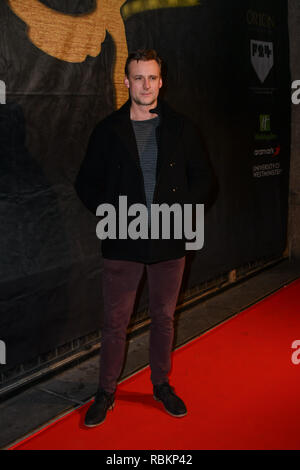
{"x": 120, "y": 281}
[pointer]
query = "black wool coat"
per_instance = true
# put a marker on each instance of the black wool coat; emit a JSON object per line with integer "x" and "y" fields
{"x": 111, "y": 168}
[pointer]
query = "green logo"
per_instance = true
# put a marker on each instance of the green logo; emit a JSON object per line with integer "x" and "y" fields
{"x": 264, "y": 128}
{"x": 264, "y": 123}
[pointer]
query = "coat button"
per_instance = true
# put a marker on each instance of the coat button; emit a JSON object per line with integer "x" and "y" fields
{"x": 172, "y": 164}
{"x": 174, "y": 189}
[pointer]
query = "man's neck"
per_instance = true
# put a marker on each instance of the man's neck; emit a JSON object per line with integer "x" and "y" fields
{"x": 142, "y": 113}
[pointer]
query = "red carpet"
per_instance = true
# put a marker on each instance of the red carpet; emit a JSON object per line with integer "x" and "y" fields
{"x": 238, "y": 381}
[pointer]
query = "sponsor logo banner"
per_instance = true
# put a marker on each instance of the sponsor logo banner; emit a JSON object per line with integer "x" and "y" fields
{"x": 265, "y": 133}
{"x": 273, "y": 151}
{"x": 262, "y": 58}
{"x": 260, "y": 19}
{"x": 266, "y": 169}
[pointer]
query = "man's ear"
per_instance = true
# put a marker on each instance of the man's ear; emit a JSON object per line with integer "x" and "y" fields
{"x": 126, "y": 81}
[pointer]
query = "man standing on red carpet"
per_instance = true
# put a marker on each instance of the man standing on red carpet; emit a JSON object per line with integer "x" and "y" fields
{"x": 152, "y": 155}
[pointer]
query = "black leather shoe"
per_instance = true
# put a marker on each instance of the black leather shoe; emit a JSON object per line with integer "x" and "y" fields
{"x": 96, "y": 413}
{"x": 172, "y": 403}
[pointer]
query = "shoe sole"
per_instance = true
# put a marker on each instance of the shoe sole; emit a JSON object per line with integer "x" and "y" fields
{"x": 98, "y": 424}
{"x": 172, "y": 414}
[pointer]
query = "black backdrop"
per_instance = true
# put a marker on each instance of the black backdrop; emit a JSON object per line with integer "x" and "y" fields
{"x": 50, "y": 261}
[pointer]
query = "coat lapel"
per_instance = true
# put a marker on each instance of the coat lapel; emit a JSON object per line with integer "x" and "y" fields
{"x": 169, "y": 132}
{"x": 123, "y": 127}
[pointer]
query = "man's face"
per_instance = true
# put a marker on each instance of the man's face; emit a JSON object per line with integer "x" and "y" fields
{"x": 143, "y": 81}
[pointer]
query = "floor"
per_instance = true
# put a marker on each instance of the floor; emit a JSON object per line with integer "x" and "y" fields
{"x": 46, "y": 401}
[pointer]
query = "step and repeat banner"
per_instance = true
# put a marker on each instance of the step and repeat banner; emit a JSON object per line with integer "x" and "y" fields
{"x": 61, "y": 71}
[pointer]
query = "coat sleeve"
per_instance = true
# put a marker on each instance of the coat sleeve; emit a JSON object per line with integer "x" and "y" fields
{"x": 200, "y": 176}
{"x": 90, "y": 180}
